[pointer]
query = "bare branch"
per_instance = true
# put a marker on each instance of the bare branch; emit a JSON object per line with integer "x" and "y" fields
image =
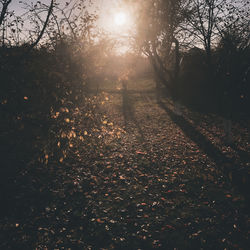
{"x": 44, "y": 25}
{"x": 4, "y": 10}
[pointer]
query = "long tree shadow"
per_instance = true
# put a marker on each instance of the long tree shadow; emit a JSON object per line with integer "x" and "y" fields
{"x": 244, "y": 155}
{"x": 228, "y": 165}
{"x": 189, "y": 130}
{"x": 128, "y": 113}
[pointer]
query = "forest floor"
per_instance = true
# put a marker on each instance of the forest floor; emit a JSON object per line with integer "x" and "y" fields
{"x": 141, "y": 178}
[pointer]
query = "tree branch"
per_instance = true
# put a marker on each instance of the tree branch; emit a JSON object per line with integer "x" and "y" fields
{"x": 4, "y": 10}
{"x": 44, "y": 26}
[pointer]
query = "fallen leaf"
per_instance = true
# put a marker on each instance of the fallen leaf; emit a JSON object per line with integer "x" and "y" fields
{"x": 99, "y": 220}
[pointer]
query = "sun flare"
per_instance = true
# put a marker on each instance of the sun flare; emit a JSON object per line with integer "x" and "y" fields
{"x": 120, "y": 18}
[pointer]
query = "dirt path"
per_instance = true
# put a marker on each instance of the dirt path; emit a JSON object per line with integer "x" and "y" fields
{"x": 165, "y": 180}
{"x": 155, "y": 180}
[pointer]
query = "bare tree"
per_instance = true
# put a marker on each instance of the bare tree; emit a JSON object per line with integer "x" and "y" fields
{"x": 5, "y": 4}
{"x": 3, "y": 14}
{"x": 157, "y": 36}
{"x": 44, "y": 25}
{"x": 207, "y": 20}
{"x": 201, "y": 17}
{"x": 13, "y": 20}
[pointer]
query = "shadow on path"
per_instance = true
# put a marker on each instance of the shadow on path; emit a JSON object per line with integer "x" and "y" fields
{"x": 244, "y": 155}
{"x": 189, "y": 130}
{"x": 228, "y": 165}
{"x": 128, "y": 113}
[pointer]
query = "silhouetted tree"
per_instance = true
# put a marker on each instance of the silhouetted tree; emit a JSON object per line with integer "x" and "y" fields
{"x": 207, "y": 20}
{"x": 157, "y": 36}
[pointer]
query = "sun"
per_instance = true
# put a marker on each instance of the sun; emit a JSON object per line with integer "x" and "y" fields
{"x": 120, "y": 18}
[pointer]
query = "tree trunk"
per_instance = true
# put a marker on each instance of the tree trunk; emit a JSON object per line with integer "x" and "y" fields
{"x": 172, "y": 85}
{"x": 176, "y": 97}
{"x": 44, "y": 25}
{"x": 4, "y": 10}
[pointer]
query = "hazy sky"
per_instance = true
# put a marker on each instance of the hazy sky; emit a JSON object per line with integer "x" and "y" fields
{"x": 106, "y": 10}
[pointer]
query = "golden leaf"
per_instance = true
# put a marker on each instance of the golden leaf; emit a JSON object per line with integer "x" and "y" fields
{"x": 99, "y": 221}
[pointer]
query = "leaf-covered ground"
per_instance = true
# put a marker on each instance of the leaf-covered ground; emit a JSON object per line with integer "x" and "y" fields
{"x": 130, "y": 174}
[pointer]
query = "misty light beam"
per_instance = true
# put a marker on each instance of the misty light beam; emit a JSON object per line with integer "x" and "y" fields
{"x": 120, "y": 18}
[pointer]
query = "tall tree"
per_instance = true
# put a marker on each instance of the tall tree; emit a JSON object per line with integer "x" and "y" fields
{"x": 207, "y": 20}
{"x": 45, "y": 24}
{"x": 5, "y": 4}
{"x": 157, "y": 36}
{"x": 4, "y": 11}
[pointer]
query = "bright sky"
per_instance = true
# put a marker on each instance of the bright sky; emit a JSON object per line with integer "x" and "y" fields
{"x": 115, "y": 18}
{"x": 107, "y": 10}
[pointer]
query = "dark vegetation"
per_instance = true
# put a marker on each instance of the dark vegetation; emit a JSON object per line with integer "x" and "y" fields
{"x": 206, "y": 93}
{"x": 93, "y": 154}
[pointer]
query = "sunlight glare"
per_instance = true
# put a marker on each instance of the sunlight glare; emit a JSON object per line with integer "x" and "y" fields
{"x": 120, "y": 18}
